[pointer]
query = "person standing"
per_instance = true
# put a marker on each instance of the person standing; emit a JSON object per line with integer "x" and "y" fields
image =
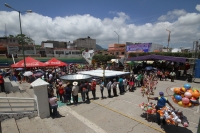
{"x": 53, "y": 105}
{"x": 88, "y": 90}
{"x": 114, "y": 86}
{"x": 2, "y": 83}
{"x": 75, "y": 90}
{"x": 131, "y": 83}
{"x": 172, "y": 75}
{"x": 83, "y": 90}
{"x": 120, "y": 81}
{"x": 61, "y": 92}
{"x": 102, "y": 88}
{"x": 68, "y": 92}
{"x": 108, "y": 86}
{"x": 93, "y": 88}
{"x": 125, "y": 84}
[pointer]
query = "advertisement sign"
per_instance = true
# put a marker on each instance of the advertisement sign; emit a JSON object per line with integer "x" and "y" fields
{"x": 12, "y": 49}
{"x": 144, "y": 47}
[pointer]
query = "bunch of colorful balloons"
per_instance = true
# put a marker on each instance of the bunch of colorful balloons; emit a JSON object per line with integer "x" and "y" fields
{"x": 148, "y": 107}
{"x": 186, "y": 96}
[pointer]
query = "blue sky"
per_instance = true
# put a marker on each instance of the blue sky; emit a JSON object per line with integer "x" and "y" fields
{"x": 133, "y": 20}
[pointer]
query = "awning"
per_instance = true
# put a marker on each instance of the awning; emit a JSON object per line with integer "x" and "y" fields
{"x": 55, "y": 62}
{"x": 158, "y": 57}
{"x": 30, "y": 62}
{"x": 108, "y": 73}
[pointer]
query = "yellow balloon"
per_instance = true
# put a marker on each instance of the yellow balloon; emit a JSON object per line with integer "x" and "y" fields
{"x": 180, "y": 103}
{"x": 183, "y": 89}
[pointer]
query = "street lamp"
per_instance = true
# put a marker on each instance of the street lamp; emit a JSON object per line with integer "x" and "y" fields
{"x": 29, "y": 11}
{"x": 117, "y": 35}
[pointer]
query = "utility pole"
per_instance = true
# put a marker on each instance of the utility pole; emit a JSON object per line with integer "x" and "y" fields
{"x": 168, "y": 39}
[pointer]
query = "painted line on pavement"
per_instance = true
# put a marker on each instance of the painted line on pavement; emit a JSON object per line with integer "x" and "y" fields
{"x": 130, "y": 117}
{"x": 87, "y": 122}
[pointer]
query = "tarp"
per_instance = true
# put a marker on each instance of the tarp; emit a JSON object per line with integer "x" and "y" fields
{"x": 158, "y": 57}
{"x": 30, "y": 62}
{"x": 108, "y": 73}
{"x": 55, "y": 62}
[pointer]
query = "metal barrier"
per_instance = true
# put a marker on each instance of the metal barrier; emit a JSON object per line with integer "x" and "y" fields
{"x": 25, "y": 101}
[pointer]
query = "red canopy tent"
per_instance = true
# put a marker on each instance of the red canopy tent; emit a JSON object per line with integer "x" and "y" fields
{"x": 30, "y": 62}
{"x": 55, "y": 62}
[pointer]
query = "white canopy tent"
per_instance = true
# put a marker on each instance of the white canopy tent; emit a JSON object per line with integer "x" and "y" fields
{"x": 108, "y": 73}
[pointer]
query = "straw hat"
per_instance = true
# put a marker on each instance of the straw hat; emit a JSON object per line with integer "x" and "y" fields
{"x": 75, "y": 83}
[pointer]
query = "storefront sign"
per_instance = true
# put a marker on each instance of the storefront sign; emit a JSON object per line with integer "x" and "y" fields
{"x": 12, "y": 49}
{"x": 144, "y": 47}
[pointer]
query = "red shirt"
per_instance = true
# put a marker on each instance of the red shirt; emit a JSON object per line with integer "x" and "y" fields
{"x": 61, "y": 91}
{"x": 1, "y": 79}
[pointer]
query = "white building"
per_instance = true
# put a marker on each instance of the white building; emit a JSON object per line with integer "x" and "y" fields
{"x": 63, "y": 52}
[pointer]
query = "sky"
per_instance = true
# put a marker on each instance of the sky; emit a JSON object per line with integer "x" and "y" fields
{"x": 137, "y": 21}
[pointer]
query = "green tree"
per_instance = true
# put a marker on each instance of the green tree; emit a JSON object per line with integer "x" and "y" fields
{"x": 22, "y": 39}
{"x": 103, "y": 58}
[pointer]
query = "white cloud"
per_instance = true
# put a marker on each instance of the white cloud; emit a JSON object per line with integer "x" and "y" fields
{"x": 184, "y": 29}
{"x": 171, "y": 15}
{"x": 198, "y": 8}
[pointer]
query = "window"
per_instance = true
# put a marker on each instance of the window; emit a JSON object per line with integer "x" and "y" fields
{"x": 122, "y": 53}
{"x": 117, "y": 53}
{"x": 59, "y": 52}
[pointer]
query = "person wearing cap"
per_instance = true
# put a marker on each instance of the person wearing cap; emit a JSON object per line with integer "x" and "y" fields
{"x": 161, "y": 102}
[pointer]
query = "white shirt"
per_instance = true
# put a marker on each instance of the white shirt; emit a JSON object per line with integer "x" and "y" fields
{"x": 53, "y": 101}
{"x": 75, "y": 90}
{"x": 124, "y": 82}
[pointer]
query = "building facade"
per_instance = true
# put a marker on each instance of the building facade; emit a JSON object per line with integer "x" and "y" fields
{"x": 11, "y": 46}
{"x": 117, "y": 49}
{"x": 85, "y": 43}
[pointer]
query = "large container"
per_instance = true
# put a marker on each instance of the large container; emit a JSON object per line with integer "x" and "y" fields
{"x": 197, "y": 69}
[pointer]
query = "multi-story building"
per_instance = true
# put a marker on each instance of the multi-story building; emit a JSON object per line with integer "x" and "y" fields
{"x": 85, "y": 43}
{"x": 54, "y": 44}
{"x": 11, "y": 46}
{"x": 117, "y": 49}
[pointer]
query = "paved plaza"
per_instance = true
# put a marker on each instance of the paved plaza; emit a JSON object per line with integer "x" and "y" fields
{"x": 123, "y": 115}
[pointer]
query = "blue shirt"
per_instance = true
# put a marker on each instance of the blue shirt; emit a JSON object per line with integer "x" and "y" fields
{"x": 120, "y": 82}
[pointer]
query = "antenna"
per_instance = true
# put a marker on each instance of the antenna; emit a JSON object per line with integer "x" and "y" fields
{"x": 5, "y": 33}
{"x": 168, "y": 39}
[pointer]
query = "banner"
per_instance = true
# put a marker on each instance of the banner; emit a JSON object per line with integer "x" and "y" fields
{"x": 143, "y": 47}
{"x": 12, "y": 49}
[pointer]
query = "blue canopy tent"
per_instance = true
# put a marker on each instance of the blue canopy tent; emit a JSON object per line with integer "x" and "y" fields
{"x": 158, "y": 57}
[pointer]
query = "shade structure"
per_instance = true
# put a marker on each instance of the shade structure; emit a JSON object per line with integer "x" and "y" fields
{"x": 30, "y": 62}
{"x": 158, "y": 57}
{"x": 55, "y": 62}
{"x": 108, "y": 73}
